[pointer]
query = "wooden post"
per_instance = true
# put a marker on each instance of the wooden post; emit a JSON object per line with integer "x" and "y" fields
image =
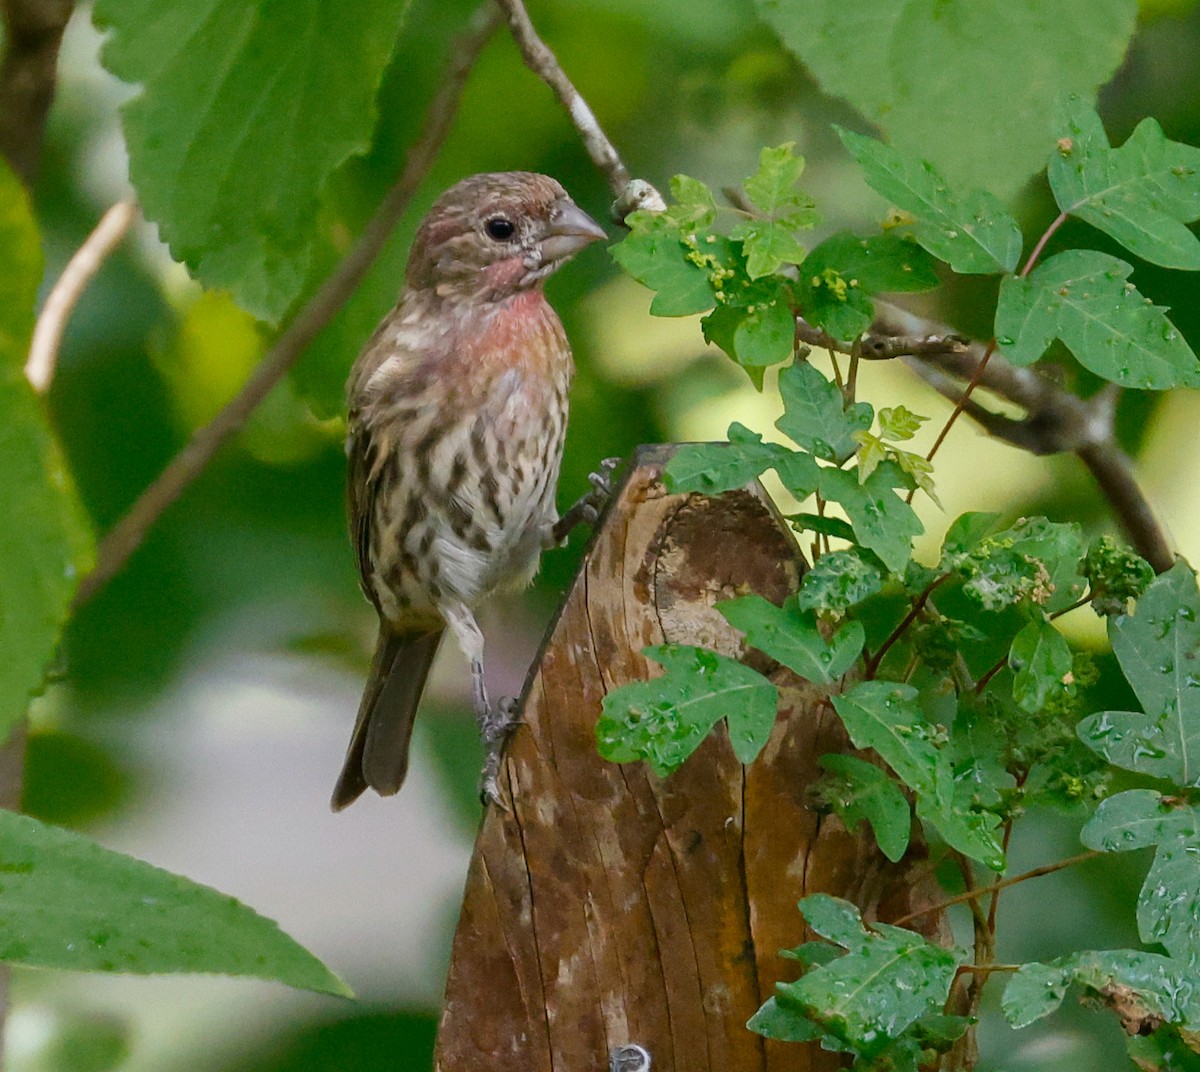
{"x": 605, "y": 906}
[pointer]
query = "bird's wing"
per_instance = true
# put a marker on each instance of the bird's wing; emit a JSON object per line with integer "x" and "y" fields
{"x": 361, "y": 483}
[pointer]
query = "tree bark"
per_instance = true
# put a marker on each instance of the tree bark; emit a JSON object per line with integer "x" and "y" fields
{"x": 605, "y": 906}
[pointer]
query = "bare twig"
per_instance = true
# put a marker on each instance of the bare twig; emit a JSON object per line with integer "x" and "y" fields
{"x": 973, "y": 895}
{"x": 79, "y": 272}
{"x": 126, "y": 536}
{"x": 33, "y": 30}
{"x": 631, "y": 193}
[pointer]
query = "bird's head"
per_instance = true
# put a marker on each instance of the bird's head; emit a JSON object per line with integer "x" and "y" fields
{"x": 491, "y": 236}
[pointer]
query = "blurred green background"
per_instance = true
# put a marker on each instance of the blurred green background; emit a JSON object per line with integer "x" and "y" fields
{"x": 203, "y": 700}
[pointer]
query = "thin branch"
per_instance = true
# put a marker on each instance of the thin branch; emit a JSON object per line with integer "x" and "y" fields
{"x": 631, "y": 193}
{"x": 60, "y": 303}
{"x": 973, "y": 895}
{"x": 33, "y": 31}
{"x": 127, "y": 535}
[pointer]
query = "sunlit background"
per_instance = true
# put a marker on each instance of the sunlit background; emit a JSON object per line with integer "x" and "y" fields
{"x": 206, "y": 697}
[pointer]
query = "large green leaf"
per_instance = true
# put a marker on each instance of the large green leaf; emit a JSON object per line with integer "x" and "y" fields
{"x": 664, "y": 720}
{"x": 964, "y": 83}
{"x": 45, "y": 543}
{"x": 969, "y": 230}
{"x": 66, "y": 902}
{"x": 793, "y": 637}
{"x": 882, "y": 520}
{"x": 1141, "y": 194}
{"x": 716, "y": 467}
{"x": 1081, "y": 297}
{"x": 816, "y": 415}
{"x": 1158, "y": 647}
{"x": 246, "y": 109}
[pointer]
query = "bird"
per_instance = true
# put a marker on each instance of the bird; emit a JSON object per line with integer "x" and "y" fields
{"x": 457, "y": 410}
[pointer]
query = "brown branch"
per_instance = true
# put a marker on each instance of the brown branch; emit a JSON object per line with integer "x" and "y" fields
{"x": 33, "y": 31}
{"x": 127, "y": 535}
{"x": 81, "y": 269}
{"x": 973, "y": 895}
{"x": 631, "y": 193}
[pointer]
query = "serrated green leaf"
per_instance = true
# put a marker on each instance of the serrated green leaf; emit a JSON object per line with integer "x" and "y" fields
{"x": 885, "y": 716}
{"x": 864, "y": 792}
{"x": 653, "y": 254}
{"x": 45, "y": 540}
{"x": 1081, "y": 297}
{"x": 792, "y": 636}
{"x": 1157, "y": 647}
{"x": 246, "y": 109}
{"x": 964, "y": 534}
{"x": 68, "y": 903}
{"x": 883, "y": 522}
{"x": 839, "y": 580}
{"x": 816, "y": 415}
{"x": 772, "y": 188}
{"x": 712, "y": 468}
{"x": 889, "y": 979}
{"x": 971, "y": 231}
{"x": 1162, "y": 987}
{"x": 827, "y": 526}
{"x": 970, "y": 832}
{"x": 1166, "y": 909}
{"x": 899, "y": 422}
{"x": 1141, "y": 194}
{"x": 1040, "y": 659}
{"x": 768, "y": 245}
{"x": 694, "y": 206}
{"x": 664, "y": 720}
{"x": 943, "y": 103}
{"x": 1034, "y": 559}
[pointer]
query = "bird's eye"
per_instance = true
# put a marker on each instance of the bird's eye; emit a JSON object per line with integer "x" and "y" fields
{"x": 499, "y": 228}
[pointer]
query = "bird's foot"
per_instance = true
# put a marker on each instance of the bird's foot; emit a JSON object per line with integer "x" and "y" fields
{"x": 587, "y": 510}
{"x": 495, "y": 728}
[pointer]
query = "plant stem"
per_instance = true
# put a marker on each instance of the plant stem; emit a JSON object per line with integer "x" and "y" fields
{"x": 975, "y": 894}
{"x": 909, "y": 618}
{"x": 1059, "y": 220}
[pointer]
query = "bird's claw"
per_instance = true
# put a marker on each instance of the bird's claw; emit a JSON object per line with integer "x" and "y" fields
{"x": 587, "y": 510}
{"x": 495, "y": 729}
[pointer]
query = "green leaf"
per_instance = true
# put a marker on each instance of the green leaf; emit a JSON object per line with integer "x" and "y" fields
{"x": 964, "y": 534}
{"x": 1141, "y": 194}
{"x": 712, "y": 468}
{"x": 694, "y": 206}
{"x": 839, "y": 580}
{"x": 1040, "y": 659}
{"x": 1166, "y": 909}
{"x": 972, "y": 232}
{"x": 838, "y": 277}
{"x": 1157, "y": 648}
{"x": 882, "y": 520}
{"x": 899, "y": 423}
{"x": 791, "y": 636}
{"x": 768, "y": 245}
{"x": 45, "y": 541}
{"x": 888, "y": 980}
{"x": 885, "y": 716}
{"x": 246, "y": 110}
{"x": 942, "y": 100}
{"x": 783, "y": 1023}
{"x": 1081, "y": 297}
{"x": 654, "y": 255}
{"x": 1144, "y": 984}
{"x": 861, "y": 791}
{"x": 816, "y": 415}
{"x": 664, "y": 720}
{"x": 1034, "y": 559}
{"x": 765, "y": 334}
{"x": 66, "y": 902}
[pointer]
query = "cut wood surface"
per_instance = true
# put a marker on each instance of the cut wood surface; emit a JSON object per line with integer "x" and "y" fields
{"x": 605, "y": 906}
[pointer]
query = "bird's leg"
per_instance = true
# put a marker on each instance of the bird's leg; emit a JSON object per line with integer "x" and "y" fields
{"x": 494, "y": 723}
{"x": 587, "y": 510}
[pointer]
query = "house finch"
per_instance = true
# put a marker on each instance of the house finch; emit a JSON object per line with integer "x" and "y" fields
{"x": 457, "y": 414}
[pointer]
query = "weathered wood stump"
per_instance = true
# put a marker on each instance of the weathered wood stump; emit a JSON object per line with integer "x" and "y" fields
{"x": 605, "y": 906}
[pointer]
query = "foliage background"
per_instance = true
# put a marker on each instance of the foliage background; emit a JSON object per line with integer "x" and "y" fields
{"x": 204, "y": 698}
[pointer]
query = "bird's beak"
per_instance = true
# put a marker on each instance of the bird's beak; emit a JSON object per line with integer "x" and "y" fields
{"x": 570, "y": 230}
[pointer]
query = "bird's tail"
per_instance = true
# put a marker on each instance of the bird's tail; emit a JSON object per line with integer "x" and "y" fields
{"x": 378, "y": 754}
